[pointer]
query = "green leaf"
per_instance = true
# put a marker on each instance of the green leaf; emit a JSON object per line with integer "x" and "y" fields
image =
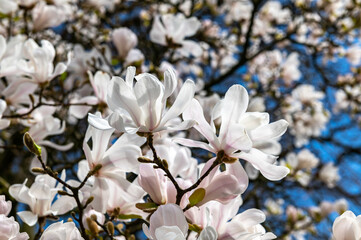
{"x": 128, "y": 216}
{"x": 146, "y": 206}
{"x": 197, "y": 196}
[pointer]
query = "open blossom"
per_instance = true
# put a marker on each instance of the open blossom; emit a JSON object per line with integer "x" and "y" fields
{"x": 227, "y": 223}
{"x": 109, "y": 186}
{"x": 347, "y": 227}
{"x": 4, "y": 123}
{"x": 172, "y": 31}
{"x": 40, "y": 198}
{"x": 45, "y": 16}
{"x": 240, "y": 132}
{"x": 141, "y": 107}
{"x": 40, "y": 67}
{"x": 61, "y": 231}
{"x": 169, "y": 222}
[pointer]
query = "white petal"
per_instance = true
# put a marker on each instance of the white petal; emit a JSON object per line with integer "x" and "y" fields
{"x": 182, "y": 101}
{"x": 28, "y": 217}
{"x": 208, "y": 233}
{"x": 193, "y": 143}
{"x": 262, "y": 161}
{"x": 170, "y": 83}
{"x": 267, "y": 132}
{"x": 98, "y": 122}
{"x": 169, "y": 233}
{"x": 234, "y": 104}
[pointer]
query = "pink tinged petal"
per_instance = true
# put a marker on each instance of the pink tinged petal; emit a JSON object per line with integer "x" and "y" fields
{"x": 223, "y": 188}
{"x": 208, "y": 233}
{"x": 234, "y": 105}
{"x": 21, "y": 193}
{"x": 182, "y": 101}
{"x": 170, "y": 83}
{"x": 121, "y": 96}
{"x": 193, "y": 143}
{"x": 153, "y": 182}
{"x": 236, "y": 170}
{"x": 270, "y": 131}
{"x": 169, "y": 233}
{"x": 262, "y": 161}
{"x": 195, "y": 112}
{"x": 149, "y": 92}
{"x": 168, "y": 215}
{"x": 28, "y": 217}
{"x": 83, "y": 169}
{"x": 157, "y": 33}
{"x": 2, "y": 46}
{"x": 98, "y": 122}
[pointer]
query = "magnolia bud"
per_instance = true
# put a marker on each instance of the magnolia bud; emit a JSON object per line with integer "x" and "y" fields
{"x": 31, "y": 145}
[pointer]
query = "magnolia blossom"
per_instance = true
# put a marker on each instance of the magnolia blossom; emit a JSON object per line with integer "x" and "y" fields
{"x": 5, "y": 206}
{"x": 45, "y": 16}
{"x": 141, "y": 107}
{"x": 9, "y": 229}
{"x": 227, "y": 223}
{"x": 169, "y": 222}
{"x": 239, "y": 133}
{"x": 347, "y": 227}
{"x": 124, "y": 40}
{"x": 62, "y": 231}
{"x": 109, "y": 186}
{"x": 40, "y": 198}
{"x": 39, "y": 66}
{"x": 329, "y": 174}
{"x": 173, "y": 29}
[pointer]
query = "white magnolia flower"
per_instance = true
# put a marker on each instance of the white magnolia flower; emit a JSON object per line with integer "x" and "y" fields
{"x": 45, "y": 16}
{"x": 227, "y": 223}
{"x": 124, "y": 40}
{"x": 347, "y": 227}
{"x": 9, "y": 229}
{"x": 40, "y": 198}
{"x": 109, "y": 186}
{"x": 240, "y": 133}
{"x": 62, "y": 231}
{"x": 141, "y": 107}
{"x": 329, "y": 175}
{"x": 5, "y": 206}
{"x": 172, "y": 31}
{"x": 39, "y": 66}
{"x": 169, "y": 222}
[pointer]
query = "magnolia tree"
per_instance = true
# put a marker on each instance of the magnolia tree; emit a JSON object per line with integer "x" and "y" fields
{"x": 180, "y": 119}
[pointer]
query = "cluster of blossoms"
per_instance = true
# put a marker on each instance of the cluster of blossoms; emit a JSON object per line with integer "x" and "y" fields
{"x": 121, "y": 145}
